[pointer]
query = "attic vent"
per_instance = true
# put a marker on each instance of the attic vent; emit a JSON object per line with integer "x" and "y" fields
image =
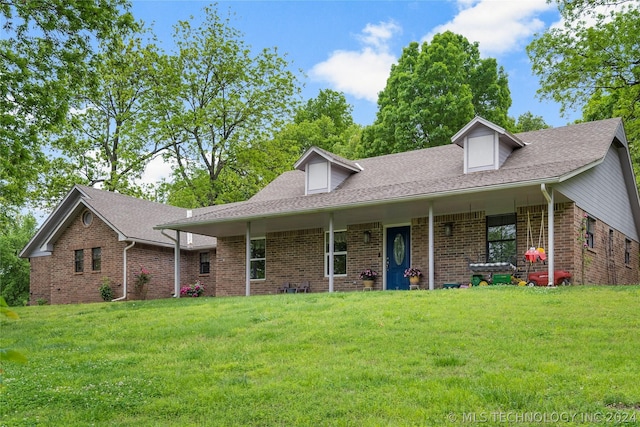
{"x": 481, "y": 152}
{"x": 318, "y": 176}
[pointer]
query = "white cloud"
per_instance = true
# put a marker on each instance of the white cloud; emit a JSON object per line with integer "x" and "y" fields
{"x": 499, "y": 26}
{"x": 361, "y": 73}
{"x": 157, "y": 170}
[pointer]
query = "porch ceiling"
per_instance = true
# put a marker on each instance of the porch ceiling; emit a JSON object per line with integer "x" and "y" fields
{"x": 492, "y": 202}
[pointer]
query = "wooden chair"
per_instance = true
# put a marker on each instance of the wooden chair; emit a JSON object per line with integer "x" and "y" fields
{"x": 304, "y": 287}
{"x": 284, "y": 288}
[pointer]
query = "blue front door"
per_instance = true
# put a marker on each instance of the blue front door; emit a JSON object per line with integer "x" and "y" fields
{"x": 398, "y": 257}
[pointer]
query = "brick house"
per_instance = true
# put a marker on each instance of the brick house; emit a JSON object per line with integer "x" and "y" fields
{"x": 94, "y": 236}
{"x": 484, "y": 199}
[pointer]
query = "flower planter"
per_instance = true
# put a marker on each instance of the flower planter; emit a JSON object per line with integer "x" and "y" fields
{"x": 368, "y": 284}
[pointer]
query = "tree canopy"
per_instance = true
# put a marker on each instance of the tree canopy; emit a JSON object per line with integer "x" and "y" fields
{"x": 593, "y": 62}
{"x": 44, "y": 56}
{"x": 216, "y": 104}
{"x": 433, "y": 90}
{"x": 106, "y": 138}
{"x": 14, "y": 271}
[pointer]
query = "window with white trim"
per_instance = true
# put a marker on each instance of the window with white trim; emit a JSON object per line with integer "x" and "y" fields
{"x": 258, "y": 262}
{"x": 339, "y": 253}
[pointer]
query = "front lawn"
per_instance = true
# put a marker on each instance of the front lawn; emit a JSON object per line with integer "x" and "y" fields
{"x": 498, "y": 355}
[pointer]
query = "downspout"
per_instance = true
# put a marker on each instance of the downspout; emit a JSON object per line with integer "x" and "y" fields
{"x": 176, "y": 262}
{"x": 548, "y": 194}
{"x": 124, "y": 272}
{"x": 247, "y": 264}
{"x": 431, "y": 249}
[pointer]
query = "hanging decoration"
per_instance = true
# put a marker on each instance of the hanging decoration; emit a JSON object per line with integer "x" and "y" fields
{"x": 534, "y": 254}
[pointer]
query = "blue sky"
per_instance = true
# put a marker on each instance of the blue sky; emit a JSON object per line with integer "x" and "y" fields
{"x": 349, "y": 46}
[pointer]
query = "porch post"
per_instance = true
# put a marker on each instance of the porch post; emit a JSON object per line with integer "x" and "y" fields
{"x": 248, "y": 260}
{"x": 331, "y": 243}
{"x": 176, "y": 266}
{"x": 548, "y": 194}
{"x": 431, "y": 248}
{"x": 550, "y": 221}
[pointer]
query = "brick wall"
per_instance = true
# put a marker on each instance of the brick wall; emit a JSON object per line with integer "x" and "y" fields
{"x": 453, "y": 253}
{"x": 53, "y": 278}
{"x": 605, "y": 262}
{"x": 65, "y": 285}
{"x": 40, "y": 279}
{"x": 297, "y": 256}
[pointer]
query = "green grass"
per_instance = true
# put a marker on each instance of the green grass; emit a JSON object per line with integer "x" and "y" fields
{"x": 344, "y": 359}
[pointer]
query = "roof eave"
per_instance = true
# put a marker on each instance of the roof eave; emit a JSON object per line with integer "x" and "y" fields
{"x": 180, "y": 226}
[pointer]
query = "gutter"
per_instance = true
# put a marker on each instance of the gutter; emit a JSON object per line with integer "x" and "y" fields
{"x": 124, "y": 273}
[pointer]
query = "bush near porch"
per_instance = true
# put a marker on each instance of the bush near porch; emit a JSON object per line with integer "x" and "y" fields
{"x": 358, "y": 358}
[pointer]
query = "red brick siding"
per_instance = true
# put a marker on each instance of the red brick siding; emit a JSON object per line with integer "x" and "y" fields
{"x": 600, "y": 265}
{"x": 53, "y": 277}
{"x": 296, "y": 256}
{"x": 40, "y": 282}
{"x": 453, "y": 253}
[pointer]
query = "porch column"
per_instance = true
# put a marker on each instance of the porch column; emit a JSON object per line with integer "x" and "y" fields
{"x": 548, "y": 194}
{"x": 331, "y": 243}
{"x": 247, "y": 266}
{"x": 176, "y": 266}
{"x": 431, "y": 249}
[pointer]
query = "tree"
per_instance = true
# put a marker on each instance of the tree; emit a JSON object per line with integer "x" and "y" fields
{"x": 217, "y": 104}
{"x": 328, "y": 103}
{"x": 106, "y": 138}
{"x": 592, "y": 63}
{"x": 325, "y": 122}
{"x": 44, "y": 53}
{"x": 14, "y": 271}
{"x": 433, "y": 91}
{"x": 528, "y": 122}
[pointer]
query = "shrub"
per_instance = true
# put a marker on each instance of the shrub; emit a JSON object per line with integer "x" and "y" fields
{"x": 105, "y": 289}
{"x": 194, "y": 290}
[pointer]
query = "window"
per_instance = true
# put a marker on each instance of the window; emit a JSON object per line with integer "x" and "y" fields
{"x": 501, "y": 238}
{"x": 339, "y": 253}
{"x": 79, "y": 261}
{"x": 96, "y": 259}
{"x": 611, "y": 242}
{"x": 204, "y": 263}
{"x": 591, "y": 229}
{"x": 258, "y": 264}
{"x": 627, "y": 251}
{"x": 87, "y": 218}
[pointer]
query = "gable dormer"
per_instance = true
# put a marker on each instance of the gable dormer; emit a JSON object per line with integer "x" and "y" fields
{"x": 324, "y": 171}
{"x": 486, "y": 145}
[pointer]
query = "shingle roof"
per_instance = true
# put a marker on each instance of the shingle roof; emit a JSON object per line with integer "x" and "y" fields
{"x": 135, "y": 218}
{"x": 130, "y": 217}
{"x": 549, "y": 155}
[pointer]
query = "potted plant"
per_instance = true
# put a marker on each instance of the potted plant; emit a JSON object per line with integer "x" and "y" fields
{"x": 368, "y": 276}
{"x": 413, "y": 274}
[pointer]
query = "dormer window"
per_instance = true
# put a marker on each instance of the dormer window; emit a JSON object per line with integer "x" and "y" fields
{"x": 324, "y": 171}
{"x": 486, "y": 145}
